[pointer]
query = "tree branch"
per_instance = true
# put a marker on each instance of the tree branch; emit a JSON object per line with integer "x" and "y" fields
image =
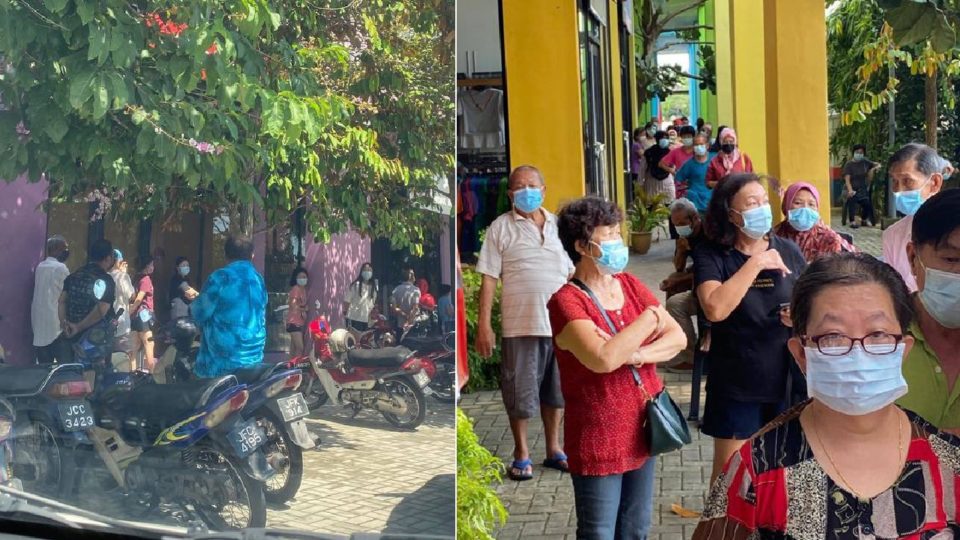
{"x": 686, "y": 28}
{"x": 696, "y": 5}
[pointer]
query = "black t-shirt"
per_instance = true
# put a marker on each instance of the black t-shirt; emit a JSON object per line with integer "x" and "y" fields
{"x": 653, "y": 155}
{"x": 858, "y": 173}
{"x": 85, "y": 288}
{"x": 748, "y": 355}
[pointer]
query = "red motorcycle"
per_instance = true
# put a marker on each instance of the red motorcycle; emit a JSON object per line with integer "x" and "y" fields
{"x": 390, "y": 380}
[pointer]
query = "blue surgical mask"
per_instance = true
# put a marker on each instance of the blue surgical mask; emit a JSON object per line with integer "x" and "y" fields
{"x": 528, "y": 200}
{"x": 803, "y": 219}
{"x": 687, "y": 141}
{"x": 857, "y": 156}
{"x": 366, "y": 275}
{"x": 614, "y": 256}
{"x": 700, "y": 149}
{"x": 184, "y": 270}
{"x": 684, "y": 230}
{"x": 757, "y": 221}
{"x": 908, "y": 202}
{"x": 941, "y": 296}
{"x": 858, "y": 383}
{"x": 302, "y": 282}
{"x": 664, "y": 143}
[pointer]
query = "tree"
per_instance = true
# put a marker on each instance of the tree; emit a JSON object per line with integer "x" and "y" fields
{"x": 653, "y": 20}
{"x": 156, "y": 108}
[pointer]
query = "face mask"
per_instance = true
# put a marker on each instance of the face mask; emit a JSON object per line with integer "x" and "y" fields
{"x": 687, "y": 141}
{"x": 366, "y": 275}
{"x": 728, "y": 148}
{"x": 941, "y": 296}
{"x": 700, "y": 150}
{"x": 64, "y": 255}
{"x": 857, "y": 156}
{"x": 908, "y": 202}
{"x": 184, "y": 270}
{"x": 664, "y": 143}
{"x": 528, "y": 200}
{"x": 302, "y": 281}
{"x": 613, "y": 256}
{"x": 757, "y": 221}
{"x": 803, "y": 219}
{"x": 858, "y": 383}
{"x": 651, "y": 132}
{"x": 684, "y": 230}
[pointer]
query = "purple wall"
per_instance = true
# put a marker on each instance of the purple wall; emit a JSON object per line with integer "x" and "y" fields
{"x": 332, "y": 268}
{"x": 24, "y": 230}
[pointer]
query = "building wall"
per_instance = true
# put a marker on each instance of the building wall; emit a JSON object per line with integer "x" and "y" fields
{"x": 332, "y": 268}
{"x": 24, "y": 230}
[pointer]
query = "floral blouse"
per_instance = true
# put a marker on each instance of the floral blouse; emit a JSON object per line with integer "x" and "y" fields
{"x": 774, "y": 488}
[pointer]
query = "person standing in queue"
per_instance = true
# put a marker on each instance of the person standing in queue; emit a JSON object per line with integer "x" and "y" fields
{"x": 730, "y": 159}
{"x": 48, "y": 341}
{"x": 143, "y": 318}
{"x": 744, "y": 277}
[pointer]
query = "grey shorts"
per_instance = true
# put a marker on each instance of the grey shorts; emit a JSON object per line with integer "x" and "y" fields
{"x": 529, "y": 376}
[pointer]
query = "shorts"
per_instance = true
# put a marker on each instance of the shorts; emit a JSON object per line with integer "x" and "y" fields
{"x": 294, "y": 328}
{"x": 728, "y": 418}
{"x": 137, "y": 324}
{"x": 529, "y": 376}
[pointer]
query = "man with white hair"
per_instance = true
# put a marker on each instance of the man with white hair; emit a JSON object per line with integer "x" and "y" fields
{"x": 47, "y": 285}
{"x": 681, "y": 301}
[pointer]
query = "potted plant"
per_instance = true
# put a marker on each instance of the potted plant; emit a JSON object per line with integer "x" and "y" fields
{"x": 646, "y": 213}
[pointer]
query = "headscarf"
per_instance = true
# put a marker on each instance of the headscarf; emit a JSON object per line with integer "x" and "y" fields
{"x": 792, "y": 191}
{"x": 729, "y": 160}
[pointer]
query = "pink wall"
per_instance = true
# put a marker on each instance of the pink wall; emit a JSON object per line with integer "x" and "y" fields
{"x": 332, "y": 268}
{"x": 24, "y": 229}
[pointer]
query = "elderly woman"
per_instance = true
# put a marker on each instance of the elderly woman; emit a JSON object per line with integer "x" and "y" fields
{"x": 658, "y": 179}
{"x": 801, "y": 206}
{"x": 848, "y": 463}
{"x": 744, "y": 278}
{"x": 730, "y": 159}
{"x": 608, "y": 455}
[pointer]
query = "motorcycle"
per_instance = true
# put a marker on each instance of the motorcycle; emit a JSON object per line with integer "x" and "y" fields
{"x": 274, "y": 404}
{"x": 390, "y": 380}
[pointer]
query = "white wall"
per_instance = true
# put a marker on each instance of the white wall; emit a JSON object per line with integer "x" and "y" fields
{"x": 478, "y": 34}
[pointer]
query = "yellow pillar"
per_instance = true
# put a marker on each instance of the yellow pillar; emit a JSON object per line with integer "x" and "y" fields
{"x": 721, "y": 23}
{"x": 796, "y": 95}
{"x": 620, "y": 157}
{"x": 542, "y": 68}
{"x": 749, "y": 94}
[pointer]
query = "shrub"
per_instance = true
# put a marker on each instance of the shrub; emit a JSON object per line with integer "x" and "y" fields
{"x": 479, "y": 510}
{"x": 484, "y": 372}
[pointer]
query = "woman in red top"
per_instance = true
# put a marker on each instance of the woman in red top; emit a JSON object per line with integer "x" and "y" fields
{"x": 729, "y": 160}
{"x": 297, "y": 310}
{"x": 142, "y": 318}
{"x": 609, "y": 462}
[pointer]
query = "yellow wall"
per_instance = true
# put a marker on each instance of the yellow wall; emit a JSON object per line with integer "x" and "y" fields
{"x": 721, "y": 15}
{"x": 542, "y": 69}
{"x": 749, "y": 93}
{"x": 796, "y": 95}
{"x": 618, "y": 101}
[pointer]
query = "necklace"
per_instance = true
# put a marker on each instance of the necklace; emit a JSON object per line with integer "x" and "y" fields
{"x": 846, "y": 483}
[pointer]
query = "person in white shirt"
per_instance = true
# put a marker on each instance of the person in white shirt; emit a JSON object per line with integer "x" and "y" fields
{"x": 523, "y": 250}
{"x": 360, "y": 299}
{"x": 48, "y": 344}
{"x": 405, "y": 299}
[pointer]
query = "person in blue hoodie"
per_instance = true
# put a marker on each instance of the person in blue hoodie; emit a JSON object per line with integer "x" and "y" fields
{"x": 231, "y": 313}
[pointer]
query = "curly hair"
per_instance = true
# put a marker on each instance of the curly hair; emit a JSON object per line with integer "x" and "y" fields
{"x": 577, "y": 220}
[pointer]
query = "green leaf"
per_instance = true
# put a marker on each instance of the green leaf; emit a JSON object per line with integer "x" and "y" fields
{"x": 56, "y": 127}
{"x": 55, "y": 6}
{"x": 81, "y": 89}
{"x": 86, "y": 10}
{"x": 138, "y": 117}
{"x": 101, "y": 99}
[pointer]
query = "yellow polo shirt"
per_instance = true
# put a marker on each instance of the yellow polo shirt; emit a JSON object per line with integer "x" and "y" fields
{"x": 928, "y": 394}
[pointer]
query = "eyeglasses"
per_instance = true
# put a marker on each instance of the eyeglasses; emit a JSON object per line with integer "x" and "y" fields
{"x": 840, "y": 344}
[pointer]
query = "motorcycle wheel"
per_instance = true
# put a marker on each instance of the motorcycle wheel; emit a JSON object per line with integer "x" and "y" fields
{"x": 444, "y": 383}
{"x": 282, "y": 486}
{"x": 314, "y": 394}
{"x": 42, "y": 451}
{"x": 249, "y": 510}
{"x": 408, "y": 391}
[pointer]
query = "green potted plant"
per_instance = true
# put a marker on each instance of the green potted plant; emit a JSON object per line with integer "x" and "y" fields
{"x": 646, "y": 214}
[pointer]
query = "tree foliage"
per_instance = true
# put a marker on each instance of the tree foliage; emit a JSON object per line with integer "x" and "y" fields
{"x": 240, "y": 106}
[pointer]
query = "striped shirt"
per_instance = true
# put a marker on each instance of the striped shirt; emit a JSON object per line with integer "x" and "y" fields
{"x": 532, "y": 266}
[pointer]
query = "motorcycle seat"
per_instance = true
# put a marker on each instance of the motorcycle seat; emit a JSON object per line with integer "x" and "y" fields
{"x": 251, "y": 375}
{"x": 423, "y": 343}
{"x": 162, "y": 405}
{"x": 389, "y": 357}
{"x": 22, "y": 380}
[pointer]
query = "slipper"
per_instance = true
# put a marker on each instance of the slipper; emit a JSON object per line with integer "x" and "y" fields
{"x": 558, "y": 462}
{"x": 520, "y": 465}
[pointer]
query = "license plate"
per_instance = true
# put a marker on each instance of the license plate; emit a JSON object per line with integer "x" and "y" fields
{"x": 293, "y": 407}
{"x": 422, "y": 378}
{"x": 76, "y": 415}
{"x": 246, "y": 437}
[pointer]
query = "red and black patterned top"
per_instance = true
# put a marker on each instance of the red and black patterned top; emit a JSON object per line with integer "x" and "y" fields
{"x": 774, "y": 488}
{"x": 605, "y": 412}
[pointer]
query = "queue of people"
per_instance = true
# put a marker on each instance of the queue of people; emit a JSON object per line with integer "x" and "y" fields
{"x": 819, "y": 403}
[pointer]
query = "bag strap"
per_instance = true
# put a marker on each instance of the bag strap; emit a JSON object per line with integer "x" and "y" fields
{"x": 613, "y": 329}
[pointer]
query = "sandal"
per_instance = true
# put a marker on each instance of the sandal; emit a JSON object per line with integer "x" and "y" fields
{"x": 558, "y": 462}
{"x": 521, "y": 465}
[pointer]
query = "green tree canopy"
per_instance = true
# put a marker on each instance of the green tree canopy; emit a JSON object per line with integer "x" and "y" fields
{"x": 246, "y": 106}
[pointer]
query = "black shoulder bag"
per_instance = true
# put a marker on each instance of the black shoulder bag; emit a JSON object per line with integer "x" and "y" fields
{"x": 665, "y": 428}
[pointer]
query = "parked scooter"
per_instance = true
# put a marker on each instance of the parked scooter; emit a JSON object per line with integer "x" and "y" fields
{"x": 389, "y": 380}
{"x": 275, "y": 404}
